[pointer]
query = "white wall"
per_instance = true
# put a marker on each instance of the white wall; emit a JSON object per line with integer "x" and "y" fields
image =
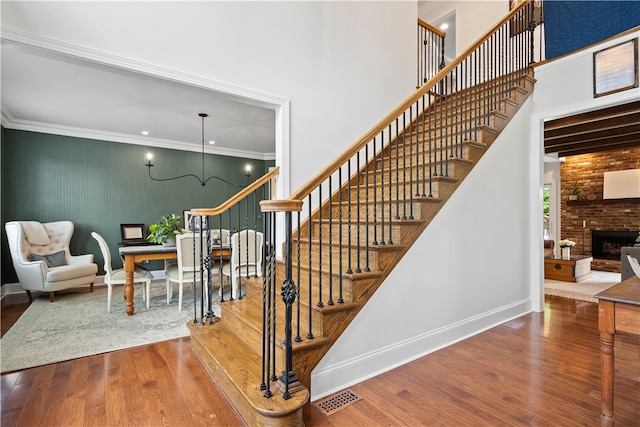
{"x": 467, "y": 272}
{"x": 479, "y": 262}
{"x": 565, "y": 86}
{"x": 342, "y": 65}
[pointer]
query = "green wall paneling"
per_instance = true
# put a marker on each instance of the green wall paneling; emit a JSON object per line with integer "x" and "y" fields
{"x": 99, "y": 185}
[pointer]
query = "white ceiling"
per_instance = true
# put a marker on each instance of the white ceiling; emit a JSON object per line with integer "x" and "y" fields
{"x": 47, "y": 91}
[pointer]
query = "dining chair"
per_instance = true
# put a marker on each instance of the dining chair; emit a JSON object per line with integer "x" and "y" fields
{"x": 117, "y": 276}
{"x": 187, "y": 269}
{"x": 246, "y": 258}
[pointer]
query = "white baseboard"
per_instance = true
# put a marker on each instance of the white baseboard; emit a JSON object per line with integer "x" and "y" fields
{"x": 349, "y": 372}
{"x": 15, "y": 288}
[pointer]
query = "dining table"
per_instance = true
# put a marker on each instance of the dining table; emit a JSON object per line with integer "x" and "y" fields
{"x": 132, "y": 255}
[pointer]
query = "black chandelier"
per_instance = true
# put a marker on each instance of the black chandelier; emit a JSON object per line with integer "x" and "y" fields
{"x": 200, "y": 178}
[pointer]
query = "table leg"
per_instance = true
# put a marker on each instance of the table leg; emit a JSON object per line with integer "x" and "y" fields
{"x": 129, "y": 267}
{"x": 606, "y": 325}
{"x": 606, "y": 372}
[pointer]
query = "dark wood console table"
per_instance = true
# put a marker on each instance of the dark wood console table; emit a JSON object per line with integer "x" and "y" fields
{"x": 618, "y": 311}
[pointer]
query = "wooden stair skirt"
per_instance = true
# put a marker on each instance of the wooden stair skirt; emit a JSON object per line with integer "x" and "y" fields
{"x": 230, "y": 349}
{"x": 236, "y": 368}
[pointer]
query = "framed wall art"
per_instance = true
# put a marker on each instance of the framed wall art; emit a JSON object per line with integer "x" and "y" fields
{"x": 615, "y": 68}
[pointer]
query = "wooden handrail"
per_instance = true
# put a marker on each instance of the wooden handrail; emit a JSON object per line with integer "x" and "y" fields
{"x": 281, "y": 205}
{"x": 432, "y": 28}
{"x": 354, "y": 148}
{"x": 238, "y": 196}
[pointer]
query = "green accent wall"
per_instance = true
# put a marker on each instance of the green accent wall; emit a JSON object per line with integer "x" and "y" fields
{"x": 99, "y": 185}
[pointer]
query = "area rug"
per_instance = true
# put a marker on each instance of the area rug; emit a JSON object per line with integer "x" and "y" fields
{"x": 582, "y": 291}
{"x": 77, "y": 324}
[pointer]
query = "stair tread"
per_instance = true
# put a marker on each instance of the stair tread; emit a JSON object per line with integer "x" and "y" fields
{"x": 244, "y": 366}
{"x": 416, "y": 199}
{"x": 349, "y": 276}
{"x": 393, "y": 247}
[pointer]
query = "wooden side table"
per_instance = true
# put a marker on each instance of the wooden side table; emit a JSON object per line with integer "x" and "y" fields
{"x": 618, "y": 311}
{"x": 575, "y": 269}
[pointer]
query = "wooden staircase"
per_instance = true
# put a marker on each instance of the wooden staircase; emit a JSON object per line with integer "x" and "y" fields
{"x": 231, "y": 347}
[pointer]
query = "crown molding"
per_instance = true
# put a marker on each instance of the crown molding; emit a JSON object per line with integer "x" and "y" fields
{"x": 128, "y": 139}
{"x": 248, "y": 95}
{"x": 240, "y": 94}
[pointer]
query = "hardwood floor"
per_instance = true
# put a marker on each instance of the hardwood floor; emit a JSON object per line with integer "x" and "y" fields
{"x": 539, "y": 369}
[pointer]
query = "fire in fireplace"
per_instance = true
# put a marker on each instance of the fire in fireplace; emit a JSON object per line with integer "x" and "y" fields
{"x": 607, "y": 244}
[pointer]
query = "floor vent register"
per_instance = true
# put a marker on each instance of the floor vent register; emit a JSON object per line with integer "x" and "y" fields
{"x": 332, "y": 404}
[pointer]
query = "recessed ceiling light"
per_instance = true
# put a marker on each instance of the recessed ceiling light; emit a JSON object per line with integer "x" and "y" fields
{"x": 145, "y": 132}
{"x": 212, "y": 142}
{"x": 444, "y": 26}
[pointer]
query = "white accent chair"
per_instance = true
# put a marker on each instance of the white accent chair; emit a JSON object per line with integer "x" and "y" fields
{"x": 118, "y": 276}
{"x": 187, "y": 269}
{"x": 246, "y": 258}
{"x": 41, "y": 257}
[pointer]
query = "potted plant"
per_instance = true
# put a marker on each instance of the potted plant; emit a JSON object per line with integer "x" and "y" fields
{"x": 573, "y": 192}
{"x": 164, "y": 231}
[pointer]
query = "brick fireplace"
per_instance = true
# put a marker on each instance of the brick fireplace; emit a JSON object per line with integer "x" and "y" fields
{"x": 590, "y": 213}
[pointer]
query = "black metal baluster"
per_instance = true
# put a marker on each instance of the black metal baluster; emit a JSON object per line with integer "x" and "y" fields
{"x": 298, "y": 338}
{"x": 320, "y": 245}
{"x": 431, "y": 136}
{"x": 266, "y": 286}
{"x": 411, "y": 166}
{"x": 274, "y": 321}
{"x": 382, "y": 198}
{"x": 404, "y": 165}
{"x": 424, "y": 141}
{"x": 375, "y": 194}
{"x": 366, "y": 207}
{"x": 349, "y": 270}
{"x": 330, "y": 204}
{"x": 288, "y": 297}
{"x": 441, "y": 107}
{"x": 390, "y": 242}
{"x": 309, "y": 220}
{"x": 477, "y": 95}
{"x": 340, "y": 247}
{"x": 206, "y": 251}
{"x": 358, "y": 256}
{"x": 447, "y": 120}
{"x": 397, "y": 176}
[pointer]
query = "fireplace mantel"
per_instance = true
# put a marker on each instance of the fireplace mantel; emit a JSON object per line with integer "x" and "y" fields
{"x": 602, "y": 202}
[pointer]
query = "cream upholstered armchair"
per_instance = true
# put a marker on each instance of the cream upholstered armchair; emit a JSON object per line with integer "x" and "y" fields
{"x": 41, "y": 257}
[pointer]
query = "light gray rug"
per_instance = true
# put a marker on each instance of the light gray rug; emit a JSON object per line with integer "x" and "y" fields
{"x": 77, "y": 324}
{"x": 582, "y": 291}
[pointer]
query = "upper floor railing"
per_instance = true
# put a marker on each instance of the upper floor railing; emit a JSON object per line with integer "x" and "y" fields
{"x": 430, "y": 51}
